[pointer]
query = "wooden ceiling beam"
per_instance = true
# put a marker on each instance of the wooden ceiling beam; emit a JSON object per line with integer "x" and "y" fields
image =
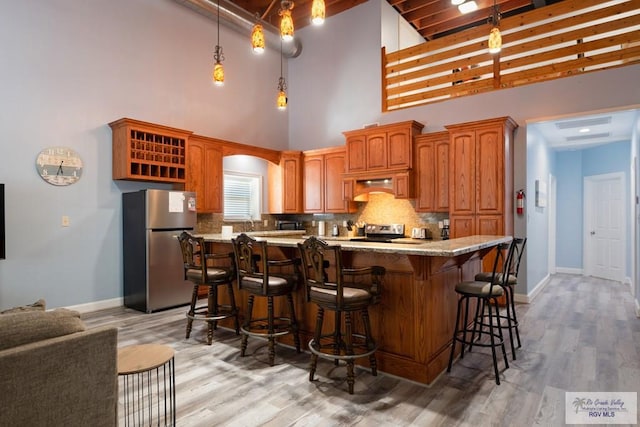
{"x": 447, "y": 21}
{"x": 406, "y": 6}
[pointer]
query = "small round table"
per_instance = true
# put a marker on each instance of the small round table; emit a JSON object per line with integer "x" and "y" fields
{"x": 148, "y": 384}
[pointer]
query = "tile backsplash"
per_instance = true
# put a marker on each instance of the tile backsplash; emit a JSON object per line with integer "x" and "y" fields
{"x": 381, "y": 208}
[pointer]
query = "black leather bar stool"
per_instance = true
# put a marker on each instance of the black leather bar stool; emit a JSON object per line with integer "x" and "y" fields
{"x": 254, "y": 276}
{"x": 197, "y": 270}
{"x": 350, "y": 291}
{"x": 486, "y": 296}
{"x": 508, "y": 286}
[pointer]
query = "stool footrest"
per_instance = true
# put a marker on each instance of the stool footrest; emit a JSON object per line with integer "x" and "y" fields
{"x": 498, "y": 339}
{"x": 201, "y": 313}
{"x": 327, "y": 348}
{"x": 260, "y": 328}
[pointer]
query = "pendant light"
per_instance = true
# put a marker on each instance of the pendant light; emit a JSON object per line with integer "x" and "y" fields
{"x": 317, "y": 12}
{"x": 495, "y": 38}
{"x": 281, "y": 101}
{"x": 286, "y": 21}
{"x": 257, "y": 38}
{"x": 218, "y": 57}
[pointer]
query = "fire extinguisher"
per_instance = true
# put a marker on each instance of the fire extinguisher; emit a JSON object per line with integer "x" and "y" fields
{"x": 520, "y": 202}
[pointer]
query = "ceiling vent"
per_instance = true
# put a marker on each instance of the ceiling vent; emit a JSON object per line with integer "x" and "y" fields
{"x": 588, "y": 136}
{"x": 583, "y": 123}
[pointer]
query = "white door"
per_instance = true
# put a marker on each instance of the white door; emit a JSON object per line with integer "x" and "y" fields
{"x": 605, "y": 236}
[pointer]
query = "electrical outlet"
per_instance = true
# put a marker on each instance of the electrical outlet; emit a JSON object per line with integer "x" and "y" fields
{"x": 344, "y": 224}
{"x": 266, "y": 223}
{"x": 313, "y": 223}
{"x": 65, "y": 221}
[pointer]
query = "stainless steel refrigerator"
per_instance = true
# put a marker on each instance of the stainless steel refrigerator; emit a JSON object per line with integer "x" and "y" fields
{"x": 153, "y": 268}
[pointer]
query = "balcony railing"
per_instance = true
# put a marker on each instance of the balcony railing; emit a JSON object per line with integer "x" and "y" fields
{"x": 560, "y": 40}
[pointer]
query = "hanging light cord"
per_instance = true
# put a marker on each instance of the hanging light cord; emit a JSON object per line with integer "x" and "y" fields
{"x": 218, "y": 56}
{"x": 495, "y": 16}
{"x": 280, "y": 57}
{"x": 282, "y": 85}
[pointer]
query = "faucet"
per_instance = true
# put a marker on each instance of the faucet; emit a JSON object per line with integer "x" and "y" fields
{"x": 248, "y": 224}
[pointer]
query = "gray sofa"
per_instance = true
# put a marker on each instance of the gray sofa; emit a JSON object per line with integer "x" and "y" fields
{"x": 53, "y": 372}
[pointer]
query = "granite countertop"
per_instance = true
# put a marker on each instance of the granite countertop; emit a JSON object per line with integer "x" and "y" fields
{"x": 448, "y": 248}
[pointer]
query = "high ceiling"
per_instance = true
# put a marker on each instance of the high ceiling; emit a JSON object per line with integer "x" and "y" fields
{"x": 579, "y": 132}
{"x": 432, "y": 18}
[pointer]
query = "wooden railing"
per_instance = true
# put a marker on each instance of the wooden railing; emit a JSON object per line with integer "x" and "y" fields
{"x": 560, "y": 40}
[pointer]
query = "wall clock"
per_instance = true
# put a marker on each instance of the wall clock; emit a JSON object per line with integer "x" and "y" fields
{"x": 59, "y": 165}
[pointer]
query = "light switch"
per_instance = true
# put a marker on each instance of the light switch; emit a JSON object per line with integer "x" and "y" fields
{"x": 266, "y": 222}
{"x": 65, "y": 221}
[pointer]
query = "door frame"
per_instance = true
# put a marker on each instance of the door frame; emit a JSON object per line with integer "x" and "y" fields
{"x": 551, "y": 263}
{"x": 588, "y": 181}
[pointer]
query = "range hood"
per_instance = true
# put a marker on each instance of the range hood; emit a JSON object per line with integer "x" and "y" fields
{"x": 363, "y": 187}
{"x": 397, "y": 183}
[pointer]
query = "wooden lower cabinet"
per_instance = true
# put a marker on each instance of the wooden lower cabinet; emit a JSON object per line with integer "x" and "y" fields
{"x": 414, "y": 321}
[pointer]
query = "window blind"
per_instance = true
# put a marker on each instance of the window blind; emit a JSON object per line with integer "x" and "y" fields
{"x": 241, "y": 196}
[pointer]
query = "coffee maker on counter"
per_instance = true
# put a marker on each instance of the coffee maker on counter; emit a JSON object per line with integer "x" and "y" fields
{"x": 444, "y": 229}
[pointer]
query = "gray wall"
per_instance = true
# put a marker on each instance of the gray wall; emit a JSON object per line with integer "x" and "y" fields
{"x": 540, "y": 164}
{"x": 69, "y": 68}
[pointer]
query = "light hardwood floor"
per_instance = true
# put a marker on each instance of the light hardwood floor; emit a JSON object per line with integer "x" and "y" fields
{"x": 579, "y": 334}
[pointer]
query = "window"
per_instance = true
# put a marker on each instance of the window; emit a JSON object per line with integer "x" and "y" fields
{"x": 242, "y": 196}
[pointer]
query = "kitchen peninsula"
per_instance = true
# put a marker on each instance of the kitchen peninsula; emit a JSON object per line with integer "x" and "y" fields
{"x": 414, "y": 321}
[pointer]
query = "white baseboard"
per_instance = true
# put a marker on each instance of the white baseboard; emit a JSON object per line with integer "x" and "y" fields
{"x": 567, "y": 270}
{"x": 627, "y": 281}
{"x": 98, "y": 305}
{"x": 534, "y": 292}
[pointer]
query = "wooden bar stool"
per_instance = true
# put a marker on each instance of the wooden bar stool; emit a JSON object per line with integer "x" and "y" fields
{"x": 254, "y": 276}
{"x": 486, "y": 296}
{"x": 196, "y": 270}
{"x": 508, "y": 286}
{"x": 351, "y": 291}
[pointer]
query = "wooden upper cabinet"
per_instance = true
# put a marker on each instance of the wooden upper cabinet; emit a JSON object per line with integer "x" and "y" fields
{"x": 334, "y": 168}
{"x": 386, "y": 147}
{"x": 285, "y": 183}
{"x": 402, "y": 186}
{"x": 490, "y": 171}
{"x": 205, "y": 174}
{"x": 377, "y": 151}
{"x": 462, "y": 168}
{"x": 481, "y": 177}
{"x": 148, "y": 152}
{"x": 432, "y": 172}
{"x": 400, "y": 144}
{"x": 323, "y": 181}
{"x": 291, "y": 163}
{"x": 313, "y": 183}
{"x": 357, "y": 153}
